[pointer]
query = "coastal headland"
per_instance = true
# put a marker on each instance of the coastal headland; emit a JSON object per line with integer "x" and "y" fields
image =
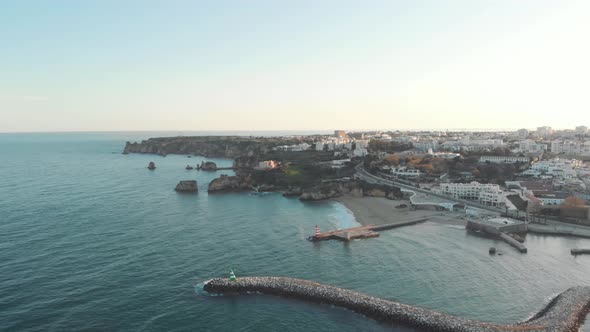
{"x": 565, "y": 313}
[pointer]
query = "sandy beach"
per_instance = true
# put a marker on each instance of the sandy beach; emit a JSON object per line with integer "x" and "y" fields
{"x": 379, "y": 211}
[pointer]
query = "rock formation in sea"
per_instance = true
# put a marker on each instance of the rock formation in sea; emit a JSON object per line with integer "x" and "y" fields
{"x": 208, "y": 166}
{"x": 187, "y": 186}
{"x": 226, "y": 183}
{"x": 565, "y": 313}
{"x": 151, "y": 165}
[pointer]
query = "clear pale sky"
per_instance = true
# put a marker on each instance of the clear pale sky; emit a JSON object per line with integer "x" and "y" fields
{"x": 292, "y": 65}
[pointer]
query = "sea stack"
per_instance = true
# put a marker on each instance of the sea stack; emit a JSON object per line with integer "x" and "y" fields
{"x": 151, "y": 166}
{"x": 187, "y": 186}
{"x": 208, "y": 166}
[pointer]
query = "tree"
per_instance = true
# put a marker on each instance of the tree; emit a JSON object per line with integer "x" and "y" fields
{"x": 573, "y": 201}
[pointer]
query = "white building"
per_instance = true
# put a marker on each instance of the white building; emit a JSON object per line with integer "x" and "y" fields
{"x": 562, "y": 172}
{"x": 296, "y": 147}
{"x": 266, "y": 165}
{"x": 485, "y": 194}
{"x": 404, "y": 171}
{"x": 444, "y": 155}
{"x": 551, "y": 199}
{"x": 503, "y": 159}
{"x": 530, "y": 146}
{"x": 469, "y": 144}
{"x": 361, "y": 144}
{"x": 427, "y": 145}
{"x": 544, "y": 131}
{"x": 523, "y": 133}
{"x": 572, "y": 148}
{"x": 581, "y": 130}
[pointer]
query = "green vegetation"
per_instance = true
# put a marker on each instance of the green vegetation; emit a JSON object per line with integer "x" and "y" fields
{"x": 388, "y": 146}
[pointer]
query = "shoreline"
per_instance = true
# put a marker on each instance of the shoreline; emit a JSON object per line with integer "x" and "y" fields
{"x": 380, "y": 211}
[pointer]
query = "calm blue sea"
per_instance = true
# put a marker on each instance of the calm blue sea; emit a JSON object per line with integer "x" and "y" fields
{"x": 92, "y": 240}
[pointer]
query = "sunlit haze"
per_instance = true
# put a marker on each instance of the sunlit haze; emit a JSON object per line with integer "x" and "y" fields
{"x": 293, "y": 65}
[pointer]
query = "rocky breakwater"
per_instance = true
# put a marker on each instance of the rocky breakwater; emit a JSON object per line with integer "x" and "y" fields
{"x": 187, "y": 186}
{"x": 226, "y": 183}
{"x": 333, "y": 189}
{"x": 565, "y": 313}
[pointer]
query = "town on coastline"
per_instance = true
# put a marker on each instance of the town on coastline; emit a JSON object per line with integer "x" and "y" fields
{"x": 499, "y": 184}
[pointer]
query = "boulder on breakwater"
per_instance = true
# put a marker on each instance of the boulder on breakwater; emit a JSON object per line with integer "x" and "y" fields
{"x": 565, "y": 313}
{"x": 187, "y": 186}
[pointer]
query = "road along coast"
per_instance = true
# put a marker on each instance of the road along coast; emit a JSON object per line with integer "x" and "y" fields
{"x": 565, "y": 313}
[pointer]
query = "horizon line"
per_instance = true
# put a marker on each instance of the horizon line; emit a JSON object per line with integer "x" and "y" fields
{"x": 272, "y": 130}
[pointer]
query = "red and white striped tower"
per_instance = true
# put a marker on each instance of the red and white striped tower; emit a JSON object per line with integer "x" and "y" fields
{"x": 317, "y": 230}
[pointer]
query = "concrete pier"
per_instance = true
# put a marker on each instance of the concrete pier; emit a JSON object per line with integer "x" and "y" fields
{"x": 580, "y": 251}
{"x": 511, "y": 241}
{"x": 565, "y": 313}
{"x": 361, "y": 232}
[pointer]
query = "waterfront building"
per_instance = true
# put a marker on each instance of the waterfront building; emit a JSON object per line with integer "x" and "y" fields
{"x": 485, "y": 194}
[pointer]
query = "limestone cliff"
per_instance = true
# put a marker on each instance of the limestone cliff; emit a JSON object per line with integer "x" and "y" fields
{"x": 333, "y": 189}
{"x": 210, "y": 146}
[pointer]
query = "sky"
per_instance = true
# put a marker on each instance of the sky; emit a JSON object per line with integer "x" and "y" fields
{"x": 293, "y": 65}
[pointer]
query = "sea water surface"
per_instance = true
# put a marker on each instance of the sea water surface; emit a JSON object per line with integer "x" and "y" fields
{"x": 92, "y": 240}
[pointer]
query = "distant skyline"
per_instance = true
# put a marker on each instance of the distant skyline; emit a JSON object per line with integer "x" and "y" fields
{"x": 283, "y": 65}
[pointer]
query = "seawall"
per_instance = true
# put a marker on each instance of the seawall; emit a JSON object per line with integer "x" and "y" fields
{"x": 566, "y": 312}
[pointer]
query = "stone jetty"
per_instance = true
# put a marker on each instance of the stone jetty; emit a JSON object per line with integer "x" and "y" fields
{"x": 580, "y": 251}
{"x": 565, "y": 313}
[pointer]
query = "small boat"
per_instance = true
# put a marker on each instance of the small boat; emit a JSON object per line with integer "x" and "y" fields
{"x": 188, "y": 167}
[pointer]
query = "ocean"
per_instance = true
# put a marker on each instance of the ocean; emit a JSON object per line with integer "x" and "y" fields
{"x": 90, "y": 240}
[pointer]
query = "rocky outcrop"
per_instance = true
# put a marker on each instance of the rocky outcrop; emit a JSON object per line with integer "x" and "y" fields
{"x": 565, "y": 313}
{"x": 187, "y": 186}
{"x": 245, "y": 162}
{"x": 334, "y": 189}
{"x": 293, "y": 191}
{"x": 226, "y": 183}
{"x": 208, "y": 166}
